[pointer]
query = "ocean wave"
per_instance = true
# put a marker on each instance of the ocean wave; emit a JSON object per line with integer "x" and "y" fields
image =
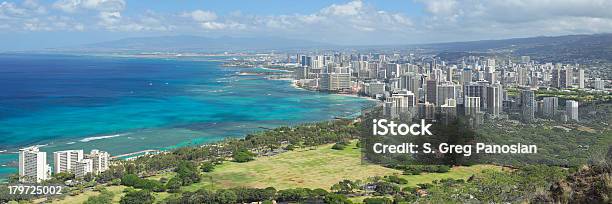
{"x": 101, "y": 137}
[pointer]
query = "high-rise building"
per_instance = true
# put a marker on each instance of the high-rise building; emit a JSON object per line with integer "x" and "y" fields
{"x": 490, "y": 65}
{"x": 450, "y": 73}
{"x": 83, "y": 167}
{"x": 65, "y": 161}
{"x": 528, "y": 106}
{"x": 393, "y": 70}
{"x": 471, "y": 105}
{"x": 476, "y": 90}
{"x": 565, "y": 78}
{"x": 335, "y": 81}
{"x": 427, "y": 110}
{"x": 411, "y": 82}
{"x": 432, "y": 89}
{"x": 99, "y": 160}
{"x": 599, "y": 84}
{"x": 375, "y": 88}
{"x": 551, "y": 104}
{"x": 406, "y": 99}
{"x": 401, "y": 103}
{"x": 466, "y": 76}
{"x": 446, "y": 91}
{"x": 571, "y": 110}
{"x": 306, "y": 61}
{"x": 449, "y": 108}
{"x": 522, "y": 76}
{"x": 555, "y": 78}
{"x": 33, "y": 167}
{"x": 495, "y": 96}
{"x": 580, "y": 78}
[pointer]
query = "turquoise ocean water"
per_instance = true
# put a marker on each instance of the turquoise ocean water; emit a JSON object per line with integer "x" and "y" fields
{"x": 124, "y": 105}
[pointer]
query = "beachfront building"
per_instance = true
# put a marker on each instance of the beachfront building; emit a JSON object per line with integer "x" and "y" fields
{"x": 82, "y": 168}
{"x": 65, "y": 161}
{"x": 99, "y": 160}
{"x": 335, "y": 82}
{"x": 33, "y": 167}
{"x": 375, "y": 88}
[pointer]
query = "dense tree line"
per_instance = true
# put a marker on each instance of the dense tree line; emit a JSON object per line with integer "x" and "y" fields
{"x": 248, "y": 195}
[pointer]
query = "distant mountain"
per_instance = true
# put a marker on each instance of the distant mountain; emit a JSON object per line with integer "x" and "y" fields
{"x": 201, "y": 44}
{"x": 568, "y": 48}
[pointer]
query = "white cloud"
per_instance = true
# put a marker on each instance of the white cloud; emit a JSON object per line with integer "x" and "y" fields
{"x": 10, "y": 10}
{"x": 202, "y": 16}
{"x": 35, "y": 6}
{"x": 208, "y": 20}
{"x": 349, "y": 9}
{"x": 109, "y": 18}
{"x": 99, "y": 5}
{"x": 440, "y": 7}
{"x": 67, "y": 5}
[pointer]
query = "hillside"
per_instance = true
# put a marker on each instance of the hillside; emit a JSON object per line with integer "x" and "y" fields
{"x": 568, "y": 48}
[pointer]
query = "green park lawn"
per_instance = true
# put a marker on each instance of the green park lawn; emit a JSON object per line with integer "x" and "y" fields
{"x": 313, "y": 168}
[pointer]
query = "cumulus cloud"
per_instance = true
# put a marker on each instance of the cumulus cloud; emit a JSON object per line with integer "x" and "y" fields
{"x": 99, "y": 5}
{"x": 30, "y": 15}
{"x": 10, "y": 10}
{"x": 202, "y": 16}
{"x": 208, "y": 20}
{"x": 349, "y": 9}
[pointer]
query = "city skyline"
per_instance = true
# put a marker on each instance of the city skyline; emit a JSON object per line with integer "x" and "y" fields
{"x": 32, "y": 24}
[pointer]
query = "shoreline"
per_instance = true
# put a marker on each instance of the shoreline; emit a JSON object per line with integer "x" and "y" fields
{"x": 294, "y": 85}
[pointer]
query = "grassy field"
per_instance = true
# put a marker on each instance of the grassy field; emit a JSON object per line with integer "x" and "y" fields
{"x": 309, "y": 168}
{"x": 313, "y": 168}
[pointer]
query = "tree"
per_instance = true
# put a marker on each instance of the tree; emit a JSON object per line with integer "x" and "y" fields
{"x": 385, "y": 188}
{"x": 129, "y": 180}
{"x": 105, "y": 197}
{"x": 63, "y": 176}
{"x": 290, "y": 147}
{"x": 187, "y": 173}
{"x": 243, "y": 156}
{"x": 138, "y": 197}
{"x": 338, "y": 146}
{"x": 173, "y": 185}
{"x": 377, "y": 201}
{"x": 344, "y": 187}
{"x": 224, "y": 196}
{"x": 336, "y": 199}
{"x": 208, "y": 167}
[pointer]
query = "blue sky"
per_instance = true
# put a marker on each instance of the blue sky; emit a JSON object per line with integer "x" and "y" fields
{"x": 35, "y": 24}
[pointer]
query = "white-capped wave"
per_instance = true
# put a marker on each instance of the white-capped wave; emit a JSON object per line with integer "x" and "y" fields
{"x": 101, "y": 137}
